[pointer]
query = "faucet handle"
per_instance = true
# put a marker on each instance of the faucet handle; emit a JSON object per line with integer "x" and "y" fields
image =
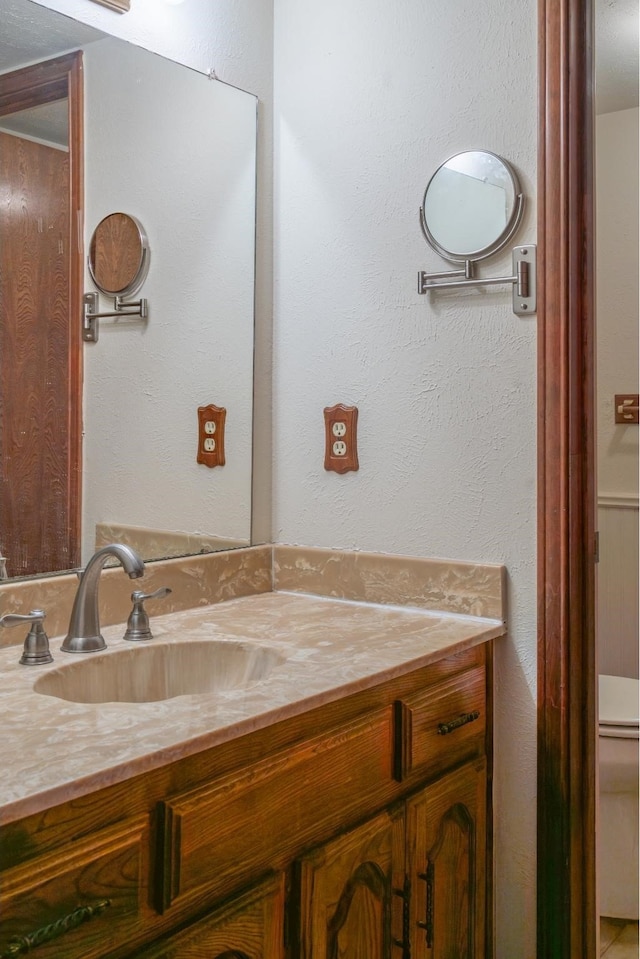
{"x": 138, "y": 623}
{"x": 36, "y": 646}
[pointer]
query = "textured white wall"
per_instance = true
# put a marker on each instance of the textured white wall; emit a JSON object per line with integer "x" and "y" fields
{"x": 617, "y": 295}
{"x": 369, "y": 98}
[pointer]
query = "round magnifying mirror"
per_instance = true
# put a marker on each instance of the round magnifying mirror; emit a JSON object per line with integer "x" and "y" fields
{"x": 118, "y": 255}
{"x": 472, "y": 206}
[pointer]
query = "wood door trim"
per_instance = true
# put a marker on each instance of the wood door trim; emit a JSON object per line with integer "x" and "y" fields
{"x": 39, "y": 83}
{"x": 566, "y": 511}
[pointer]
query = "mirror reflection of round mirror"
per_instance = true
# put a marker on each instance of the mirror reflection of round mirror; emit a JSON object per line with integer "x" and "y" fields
{"x": 118, "y": 255}
{"x": 472, "y": 206}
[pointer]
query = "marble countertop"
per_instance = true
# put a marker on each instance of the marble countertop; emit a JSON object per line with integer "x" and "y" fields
{"x": 55, "y": 750}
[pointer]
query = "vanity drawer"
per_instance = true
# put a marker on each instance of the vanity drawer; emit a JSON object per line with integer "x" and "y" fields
{"x": 441, "y": 726}
{"x": 79, "y": 902}
{"x": 252, "y": 820}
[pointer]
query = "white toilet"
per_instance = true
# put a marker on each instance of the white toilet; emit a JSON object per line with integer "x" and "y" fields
{"x": 618, "y": 818}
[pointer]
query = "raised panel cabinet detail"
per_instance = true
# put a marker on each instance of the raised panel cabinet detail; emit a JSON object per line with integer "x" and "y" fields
{"x": 446, "y": 864}
{"x": 350, "y": 901}
{"x": 211, "y": 833}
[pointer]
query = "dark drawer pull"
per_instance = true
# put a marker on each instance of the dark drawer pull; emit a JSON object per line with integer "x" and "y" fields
{"x": 19, "y": 945}
{"x": 444, "y": 728}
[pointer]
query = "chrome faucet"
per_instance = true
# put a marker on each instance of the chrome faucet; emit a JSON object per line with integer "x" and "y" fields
{"x": 84, "y": 626}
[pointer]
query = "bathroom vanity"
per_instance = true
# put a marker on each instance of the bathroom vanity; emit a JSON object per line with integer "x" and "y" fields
{"x": 338, "y": 806}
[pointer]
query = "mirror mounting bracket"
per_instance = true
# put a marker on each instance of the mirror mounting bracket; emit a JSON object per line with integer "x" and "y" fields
{"x": 522, "y": 280}
{"x": 90, "y": 316}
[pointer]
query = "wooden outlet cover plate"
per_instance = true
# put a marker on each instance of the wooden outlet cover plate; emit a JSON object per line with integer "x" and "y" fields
{"x": 211, "y": 435}
{"x": 341, "y": 441}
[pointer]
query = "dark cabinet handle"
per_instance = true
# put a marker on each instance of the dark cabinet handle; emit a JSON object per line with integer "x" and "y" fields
{"x": 427, "y": 925}
{"x": 444, "y": 728}
{"x": 405, "y": 942}
{"x": 19, "y": 945}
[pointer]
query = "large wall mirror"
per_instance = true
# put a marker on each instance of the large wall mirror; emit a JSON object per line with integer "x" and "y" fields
{"x": 176, "y": 151}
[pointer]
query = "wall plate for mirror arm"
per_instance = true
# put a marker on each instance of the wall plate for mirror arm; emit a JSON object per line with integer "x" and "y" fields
{"x": 90, "y": 317}
{"x": 523, "y": 279}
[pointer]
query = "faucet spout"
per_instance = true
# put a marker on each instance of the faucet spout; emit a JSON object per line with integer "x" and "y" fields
{"x": 84, "y": 626}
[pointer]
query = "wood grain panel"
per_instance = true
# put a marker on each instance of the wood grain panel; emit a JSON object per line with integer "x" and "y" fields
{"x": 345, "y": 891}
{"x": 249, "y": 927}
{"x": 40, "y": 358}
{"x": 116, "y": 253}
{"x": 34, "y": 356}
{"x": 420, "y": 742}
{"x": 110, "y": 869}
{"x": 267, "y": 812}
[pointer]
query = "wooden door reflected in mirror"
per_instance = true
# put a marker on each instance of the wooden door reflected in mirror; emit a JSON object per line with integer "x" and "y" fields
{"x": 40, "y": 356}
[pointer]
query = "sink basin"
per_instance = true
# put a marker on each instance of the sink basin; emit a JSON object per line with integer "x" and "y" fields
{"x": 148, "y": 674}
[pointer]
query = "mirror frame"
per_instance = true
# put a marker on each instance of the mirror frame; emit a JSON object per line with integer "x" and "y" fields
{"x": 501, "y": 241}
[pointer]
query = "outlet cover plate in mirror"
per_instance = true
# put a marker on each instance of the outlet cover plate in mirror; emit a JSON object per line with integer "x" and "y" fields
{"x": 211, "y": 420}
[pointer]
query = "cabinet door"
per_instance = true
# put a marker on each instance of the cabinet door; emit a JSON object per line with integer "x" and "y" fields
{"x": 248, "y": 927}
{"x": 446, "y": 851}
{"x": 351, "y": 893}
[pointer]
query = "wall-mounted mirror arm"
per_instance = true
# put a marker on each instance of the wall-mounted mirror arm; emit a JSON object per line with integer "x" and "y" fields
{"x": 472, "y": 207}
{"x": 90, "y": 316}
{"x": 523, "y": 279}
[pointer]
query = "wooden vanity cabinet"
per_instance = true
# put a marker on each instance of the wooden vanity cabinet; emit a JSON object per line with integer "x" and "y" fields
{"x": 358, "y": 829}
{"x": 408, "y": 883}
{"x": 447, "y": 866}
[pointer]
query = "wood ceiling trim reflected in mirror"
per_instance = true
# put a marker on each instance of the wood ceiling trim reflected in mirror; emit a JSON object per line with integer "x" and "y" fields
{"x": 122, "y": 6}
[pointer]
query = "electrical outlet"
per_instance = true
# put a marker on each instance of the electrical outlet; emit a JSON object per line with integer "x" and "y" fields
{"x": 341, "y": 448}
{"x": 211, "y": 421}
